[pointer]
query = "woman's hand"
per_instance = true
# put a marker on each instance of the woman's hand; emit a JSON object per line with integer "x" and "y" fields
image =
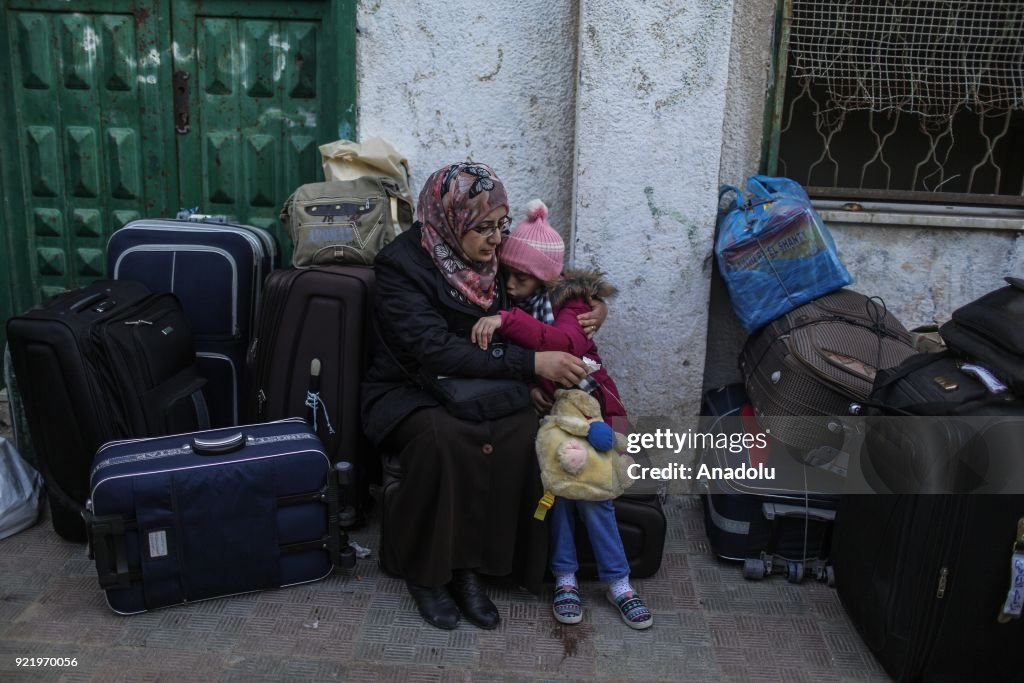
{"x": 541, "y": 401}
{"x": 592, "y": 320}
{"x": 559, "y": 367}
{"x": 484, "y": 330}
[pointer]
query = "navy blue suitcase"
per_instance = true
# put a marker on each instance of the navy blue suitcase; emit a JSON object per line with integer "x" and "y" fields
{"x": 216, "y": 269}
{"x": 189, "y": 517}
{"x": 783, "y": 525}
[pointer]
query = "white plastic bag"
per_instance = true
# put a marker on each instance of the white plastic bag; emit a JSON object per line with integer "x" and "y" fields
{"x": 20, "y": 487}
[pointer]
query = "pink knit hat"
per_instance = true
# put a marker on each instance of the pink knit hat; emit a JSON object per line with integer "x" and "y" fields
{"x": 534, "y": 247}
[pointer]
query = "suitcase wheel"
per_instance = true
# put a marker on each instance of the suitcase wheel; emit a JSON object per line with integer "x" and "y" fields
{"x": 825, "y": 574}
{"x": 753, "y": 569}
{"x": 794, "y": 572}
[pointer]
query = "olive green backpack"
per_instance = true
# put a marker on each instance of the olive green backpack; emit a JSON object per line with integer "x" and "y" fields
{"x": 364, "y": 204}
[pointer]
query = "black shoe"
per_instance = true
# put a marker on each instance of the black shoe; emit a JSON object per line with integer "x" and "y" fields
{"x": 468, "y": 593}
{"x": 435, "y": 605}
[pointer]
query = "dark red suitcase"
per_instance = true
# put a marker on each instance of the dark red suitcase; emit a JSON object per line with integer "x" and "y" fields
{"x": 316, "y": 313}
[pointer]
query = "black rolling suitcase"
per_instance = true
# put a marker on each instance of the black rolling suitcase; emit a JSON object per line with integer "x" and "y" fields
{"x": 107, "y": 361}
{"x": 934, "y": 584}
{"x": 316, "y": 314}
{"x": 216, "y": 269}
{"x": 196, "y": 516}
{"x": 779, "y": 525}
{"x": 937, "y": 424}
{"x": 642, "y": 527}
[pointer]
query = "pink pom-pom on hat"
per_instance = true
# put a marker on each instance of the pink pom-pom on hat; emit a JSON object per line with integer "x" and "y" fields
{"x": 536, "y": 210}
{"x": 534, "y": 247}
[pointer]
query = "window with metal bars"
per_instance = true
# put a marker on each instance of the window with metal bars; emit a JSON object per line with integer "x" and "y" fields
{"x": 919, "y": 100}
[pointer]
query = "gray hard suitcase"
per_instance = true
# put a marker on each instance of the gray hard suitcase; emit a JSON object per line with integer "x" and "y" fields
{"x": 817, "y": 362}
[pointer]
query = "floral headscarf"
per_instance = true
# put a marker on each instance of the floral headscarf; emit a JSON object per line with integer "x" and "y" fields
{"x": 454, "y": 199}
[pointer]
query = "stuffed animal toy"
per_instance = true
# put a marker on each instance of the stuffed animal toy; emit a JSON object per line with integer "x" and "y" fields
{"x": 579, "y": 453}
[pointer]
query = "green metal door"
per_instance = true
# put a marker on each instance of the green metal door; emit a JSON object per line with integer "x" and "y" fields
{"x": 85, "y": 149}
{"x": 264, "y": 90}
{"x": 119, "y": 109}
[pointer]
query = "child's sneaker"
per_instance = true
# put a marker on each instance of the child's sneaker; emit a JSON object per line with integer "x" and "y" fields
{"x": 567, "y": 607}
{"x": 633, "y": 610}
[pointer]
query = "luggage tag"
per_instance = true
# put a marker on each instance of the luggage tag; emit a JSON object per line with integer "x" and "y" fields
{"x": 1015, "y": 596}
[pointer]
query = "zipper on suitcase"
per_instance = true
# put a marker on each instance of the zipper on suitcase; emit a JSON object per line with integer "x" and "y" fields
{"x": 920, "y": 647}
{"x": 269, "y": 321}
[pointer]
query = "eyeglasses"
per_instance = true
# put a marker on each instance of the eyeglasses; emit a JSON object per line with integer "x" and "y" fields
{"x": 487, "y": 230}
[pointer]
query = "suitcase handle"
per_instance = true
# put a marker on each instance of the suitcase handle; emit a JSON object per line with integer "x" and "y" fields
{"x": 773, "y": 511}
{"x": 229, "y": 444}
{"x": 87, "y": 301}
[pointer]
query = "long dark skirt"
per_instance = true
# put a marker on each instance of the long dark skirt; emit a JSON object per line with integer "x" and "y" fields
{"x": 466, "y": 499}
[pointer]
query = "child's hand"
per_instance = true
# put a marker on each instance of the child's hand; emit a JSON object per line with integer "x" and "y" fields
{"x": 484, "y": 330}
{"x": 541, "y": 401}
{"x": 592, "y": 320}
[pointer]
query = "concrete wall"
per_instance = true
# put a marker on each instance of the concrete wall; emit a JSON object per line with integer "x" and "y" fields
{"x": 625, "y": 117}
{"x": 926, "y": 267}
{"x": 461, "y": 80}
{"x": 649, "y": 139}
{"x": 750, "y": 58}
{"x": 635, "y": 160}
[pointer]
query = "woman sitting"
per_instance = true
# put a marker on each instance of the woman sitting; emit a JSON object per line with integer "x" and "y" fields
{"x": 469, "y": 488}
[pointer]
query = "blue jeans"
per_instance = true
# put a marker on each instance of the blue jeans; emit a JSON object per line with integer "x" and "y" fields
{"x": 599, "y": 518}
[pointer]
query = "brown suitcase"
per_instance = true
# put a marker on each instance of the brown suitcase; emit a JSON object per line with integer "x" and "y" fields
{"x": 814, "y": 362}
{"x": 316, "y": 313}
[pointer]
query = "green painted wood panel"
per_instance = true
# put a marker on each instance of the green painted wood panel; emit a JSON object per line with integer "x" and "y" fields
{"x": 88, "y": 128}
{"x": 85, "y": 124}
{"x": 268, "y": 83}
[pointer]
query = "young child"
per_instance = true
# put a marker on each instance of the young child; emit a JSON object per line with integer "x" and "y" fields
{"x": 548, "y": 302}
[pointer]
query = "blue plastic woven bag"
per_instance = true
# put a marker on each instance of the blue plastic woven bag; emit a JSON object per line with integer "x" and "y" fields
{"x": 774, "y": 251}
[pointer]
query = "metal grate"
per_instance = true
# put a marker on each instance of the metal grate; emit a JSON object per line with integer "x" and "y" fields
{"x": 902, "y": 99}
{"x": 928, "y": 57}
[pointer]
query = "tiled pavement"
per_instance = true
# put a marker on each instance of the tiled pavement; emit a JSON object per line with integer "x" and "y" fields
{"x": 710, "y": 624}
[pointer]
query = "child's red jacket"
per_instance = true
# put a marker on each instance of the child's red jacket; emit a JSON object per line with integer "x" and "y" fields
{"x": 568, "y": 299}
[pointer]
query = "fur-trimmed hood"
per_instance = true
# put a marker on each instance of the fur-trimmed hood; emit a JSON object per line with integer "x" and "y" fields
{"x": 579, "y": 283}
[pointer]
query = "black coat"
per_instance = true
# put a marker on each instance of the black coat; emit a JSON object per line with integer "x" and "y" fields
{"x": 425, "y": 323}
